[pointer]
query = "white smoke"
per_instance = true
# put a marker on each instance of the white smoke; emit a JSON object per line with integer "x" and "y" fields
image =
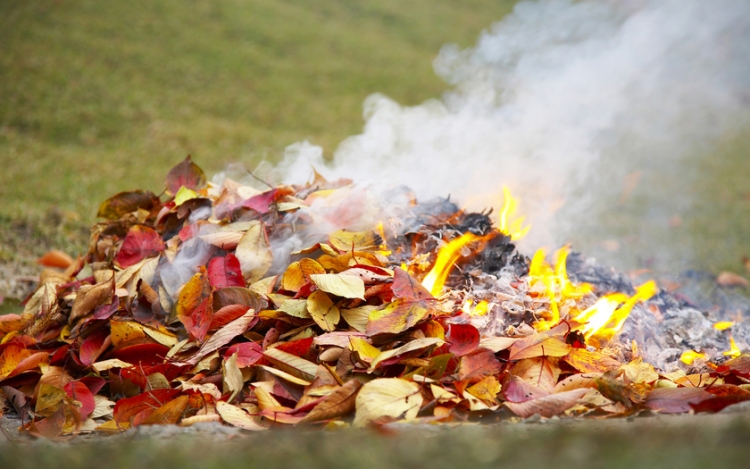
{"x": 559, "y": 101}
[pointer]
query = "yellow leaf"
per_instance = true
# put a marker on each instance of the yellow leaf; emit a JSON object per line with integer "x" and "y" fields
{"x": 363, "y": 348}
{"x": 639, "y": 372}
{"x": 292, "y": 364}
{"x": 183, "y": 195}
{"x": 486, "y": 390}
{"x": 125, "y": 333}
{"x": 298, "y": 274}
{"x": 345, "y": 286}
{"x": 323, "y": 311}
{"x": 49, "y": 399}
{"x": 410, "y": 347}
{"x": 254, "y": 253}
{"x": 296, "y": 308}
{"x": 285, "y": 376}
{"x": 358, "y": 317}
{"x": 239, "y": 418}
{"x": 387, "y": 397}
{"x": 168, "y": 413}
{"x": 233, "y": 381}
{"x": 346, "y": 241}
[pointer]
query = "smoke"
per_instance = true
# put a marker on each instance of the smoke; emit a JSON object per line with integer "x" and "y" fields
{"x": 561, "y": 101}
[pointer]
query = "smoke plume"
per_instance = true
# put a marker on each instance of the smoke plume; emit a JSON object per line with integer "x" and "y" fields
{"x": 570, "y": 104}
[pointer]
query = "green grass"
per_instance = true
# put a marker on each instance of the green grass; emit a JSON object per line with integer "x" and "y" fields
{"x": 100, "y": 97}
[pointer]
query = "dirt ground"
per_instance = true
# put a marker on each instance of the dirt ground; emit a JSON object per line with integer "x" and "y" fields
{"x": 686, "y": 441}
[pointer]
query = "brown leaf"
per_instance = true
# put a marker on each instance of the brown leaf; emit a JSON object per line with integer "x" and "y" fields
{"x": 127, "y": 202}
{"x": 339, "y": 403}
{"x": 590, "y": 362}
{"x": 479, "y": 364}
{"x": 407, "y": 287}
{"x": 541, "y": 372}
{"x": 534, "y": 346}
{"x": 223, "y": 336}
{"x": 89, "y": 297}
{"x": 169, "y": 413}
{"x": 730, "y": 279}
{"x": 547, "y": 406}
{"x": 675, "y": 400}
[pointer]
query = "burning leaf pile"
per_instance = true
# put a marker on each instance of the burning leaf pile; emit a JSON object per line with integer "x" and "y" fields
{"x": 292, "y": 306}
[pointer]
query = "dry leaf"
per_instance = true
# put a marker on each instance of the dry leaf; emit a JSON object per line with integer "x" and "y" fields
{"x": 254, "y": 252}
{"x": 387, "y": 397}
{"x": 345, "y": 286}
{"x": 239, "y": 418}
{"x": 323, "y": 311}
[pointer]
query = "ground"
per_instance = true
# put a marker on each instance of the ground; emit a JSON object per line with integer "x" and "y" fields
{"x": 103, "y": 97}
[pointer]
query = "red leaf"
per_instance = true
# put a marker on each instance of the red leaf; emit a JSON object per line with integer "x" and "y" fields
{"x": 140, "y": 243}
{"x": 93, "y": 346}
{"x": 517, "y": 390}
{"x": 675, "y": 400}
{"x": 299, "y": 347}
{"x": 225, "y": 272}
{"x": 139, "y": 375}
{"x": 723, "y": 395}
{"x": 186, "y": 174}
{"x": 81, "y": 393}
{"x": 226, "y": 315}
{"x": 407, "y": 287}
{"x": 128, "y": 408}
{"x": 479, "y": 364}
{"x": 463, "y": 339}
{"x": 142, "y": 354}
{"x": 261, "y": 203}
{"x": 248, "y": 353}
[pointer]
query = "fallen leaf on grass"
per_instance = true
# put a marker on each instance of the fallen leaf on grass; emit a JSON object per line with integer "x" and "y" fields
{"x": 387, "y": 397}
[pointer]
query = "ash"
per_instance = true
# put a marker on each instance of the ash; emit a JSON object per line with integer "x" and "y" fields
{"x": 663, "y": 327}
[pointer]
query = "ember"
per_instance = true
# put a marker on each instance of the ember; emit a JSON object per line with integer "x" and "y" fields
{"x": 310, "y": 305}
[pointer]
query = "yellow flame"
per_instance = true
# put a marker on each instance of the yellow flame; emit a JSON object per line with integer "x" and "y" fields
{"x": 556, "y": 285}
{"x": 383, "y": 248}
{"x": 480, "y": 309}
{"x": 733, "y": 351}
{"x": 723, "y": 325}
{"x": 606, "y": 317}
{"x": 512, "y": 227}
{"x": 446, "y": 257}
{"x": 690, "y": 356}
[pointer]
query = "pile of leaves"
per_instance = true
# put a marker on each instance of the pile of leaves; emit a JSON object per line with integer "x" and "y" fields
{"x": 175, "y": 316}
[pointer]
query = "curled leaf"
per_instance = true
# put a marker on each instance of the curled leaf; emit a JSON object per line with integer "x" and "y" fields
{"x": 387, "y": 397}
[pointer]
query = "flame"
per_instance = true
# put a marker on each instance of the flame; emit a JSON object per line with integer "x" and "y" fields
{"x": 384, "y": 245}
{"x": 723, "y": 325}
{"x": 733, "y": 351}
{"x": 446, "y": 257}
{"x": 556, "y": 285}
{"x": 480, "y": 309}
{"x": 690, "y": 356}
{"x": 512, "y": 227}
{"x": 606, "y": 317}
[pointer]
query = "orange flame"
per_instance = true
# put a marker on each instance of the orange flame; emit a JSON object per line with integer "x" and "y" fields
{"x": 512, "y": 227}
{"x": 446, "y": 257}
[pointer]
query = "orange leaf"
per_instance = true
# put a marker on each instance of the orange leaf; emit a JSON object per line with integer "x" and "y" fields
{"x": 169, "y": 413}
{"x": 339, "y": 403}
{"x": 55, "y": 258}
